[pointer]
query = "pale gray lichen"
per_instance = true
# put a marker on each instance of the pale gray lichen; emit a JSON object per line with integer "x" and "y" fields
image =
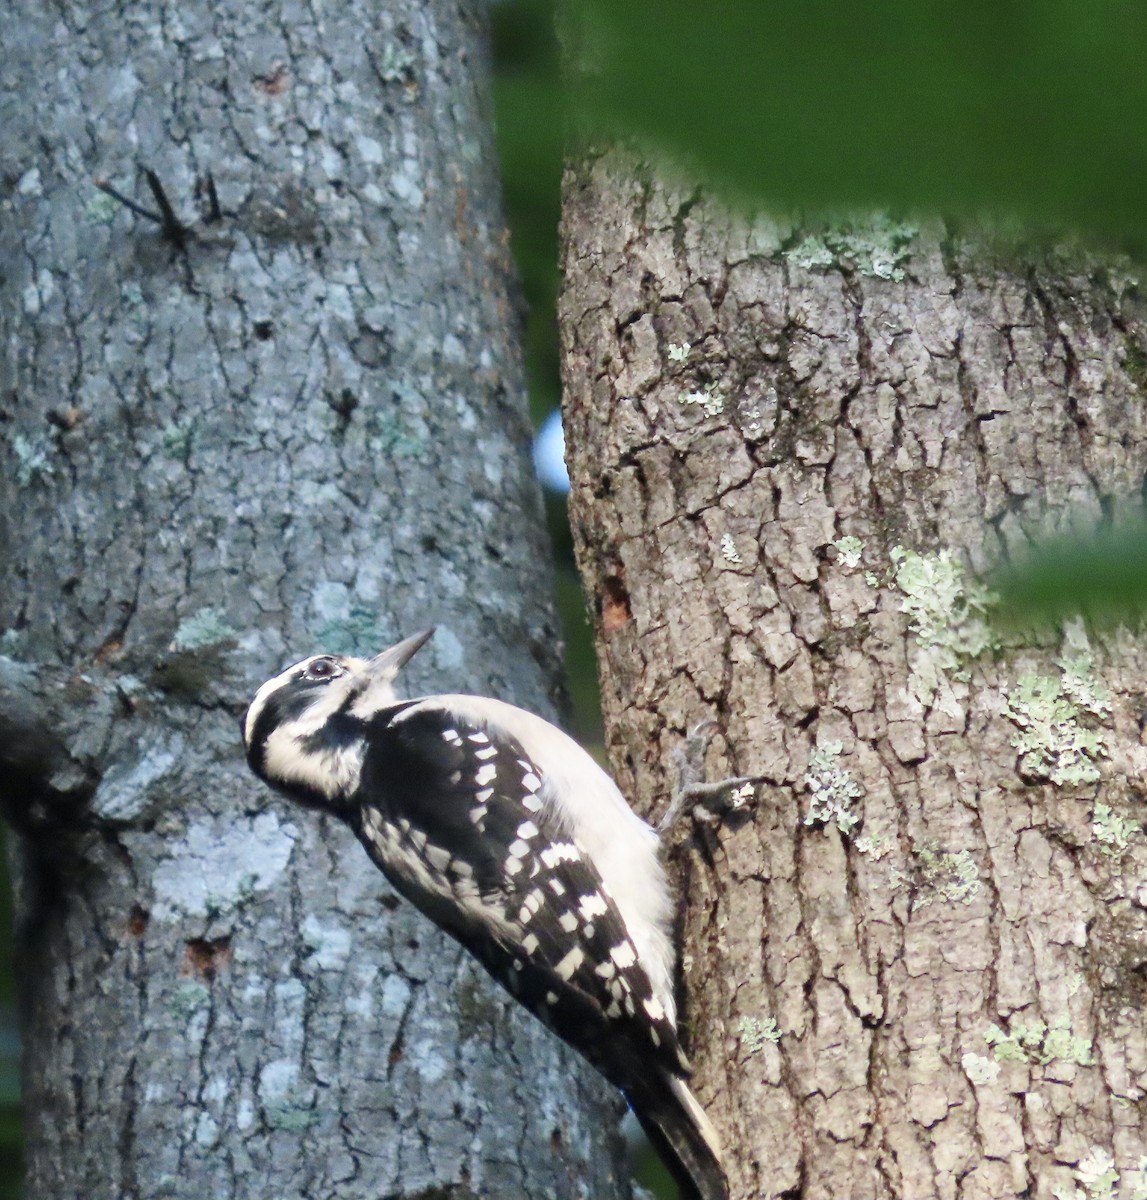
{"x": 32, "y": 459}
{"x": 1058, "y": 735}
{"x": 756, "y": 1033}
{"x": 1039, "y": 1043}
{"x": 1052, "y": 738}
{"x": 1096, "y": 1171}
{"x": 711, "y": 399}
{"x": 203, "y": 628}
{"x": 946, "y": 613}
{"x": 206, "y": 1131}
{"x": 758, "y": 416}
{"x": 850, "y": 549}
{"x": 810, "y": 253}
{"x": 729, "y": 550}
{"x": 393, "y": 440}
{"x": 876, "y": 246}
{"x": 287, "y": 1104}
{"x": 751, "y": 422}
{"x": 398, "y": 431}
{"x": 1009, "y": 1047}
{"x": 832, "y": 789}
{"x": 1112, "y": 831}
{"x": 874, "y": 848}
{"x": 679, "y": 353}
{"x": 101, "y": 209}
{"x": 1060, "y": 1044}
{"x": 397, "y": 65}
{"x": 38, "y": 292}
{"x": 186, "y": 1000}
{"x": 980, "y": 1070}
{"x": 330, "y": 945}
{"x": 291, "y": 1118}
{"x": 219, "y": 864}
{"x": 1077, "y": 662}
{"x": 952, "y": 877}
{"x": 177, "y": 439}
{"x": 356, "y": 633}
{"x": 1097, "y": 1177}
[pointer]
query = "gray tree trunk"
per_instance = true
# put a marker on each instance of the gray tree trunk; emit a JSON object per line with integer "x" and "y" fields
{"x": 303, "y": 430}
{"x": 918, "y": 967}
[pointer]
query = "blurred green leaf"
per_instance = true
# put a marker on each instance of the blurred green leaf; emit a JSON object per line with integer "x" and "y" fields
{"x": 1102, "y": 576}
{"x": 1037, "y": 109}
{"x": 529, "y": 112}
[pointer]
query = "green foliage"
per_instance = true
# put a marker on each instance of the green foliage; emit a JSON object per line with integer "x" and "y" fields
{"x": 530, "y": 107}
{"x": 530, "y": 116}
{"x": 1036, "y": 109}
{"x": 1102, "y": 575}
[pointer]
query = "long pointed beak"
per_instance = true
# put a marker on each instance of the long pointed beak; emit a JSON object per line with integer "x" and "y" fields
{"x": 385, "y": 666}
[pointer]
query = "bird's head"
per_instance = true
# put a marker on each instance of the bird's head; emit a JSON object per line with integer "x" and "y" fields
{"x": 303, "y": 730}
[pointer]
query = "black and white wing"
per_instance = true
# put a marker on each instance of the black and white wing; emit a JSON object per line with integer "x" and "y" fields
{"x": 456, "y": 815}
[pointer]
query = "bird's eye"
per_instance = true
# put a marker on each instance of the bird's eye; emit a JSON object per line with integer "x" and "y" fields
{"x": 322, "y": 669}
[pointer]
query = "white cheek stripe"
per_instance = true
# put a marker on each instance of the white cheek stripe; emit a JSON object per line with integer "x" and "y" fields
{"x": 333, "y": 773}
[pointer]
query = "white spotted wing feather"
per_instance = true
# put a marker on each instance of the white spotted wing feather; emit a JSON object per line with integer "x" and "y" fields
{"x": 463, "y": 820}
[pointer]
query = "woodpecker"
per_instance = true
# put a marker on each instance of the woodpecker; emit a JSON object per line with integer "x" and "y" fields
{"x": 507, "y": 835}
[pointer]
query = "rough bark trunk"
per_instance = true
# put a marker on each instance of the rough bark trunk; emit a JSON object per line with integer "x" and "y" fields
{"x": 302, "y": 429}
{"x": 919, "y": 966}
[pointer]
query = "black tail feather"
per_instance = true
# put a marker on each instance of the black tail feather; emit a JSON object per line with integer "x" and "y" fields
{"x": 682, "y": 1135}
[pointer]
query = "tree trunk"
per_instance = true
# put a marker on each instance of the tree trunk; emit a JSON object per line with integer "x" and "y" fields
{"x": 297, "y": 427}
{"x": 918, "y": 966}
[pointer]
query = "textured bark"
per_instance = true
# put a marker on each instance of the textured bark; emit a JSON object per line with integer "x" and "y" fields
{"x": 303, "y": 430}
{"x": 742, "y": 398}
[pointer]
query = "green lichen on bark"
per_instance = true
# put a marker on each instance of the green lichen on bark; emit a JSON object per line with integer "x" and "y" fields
{"x": 1113, "y": 832}
{"x": 1059, "y": 734}
{"x": 876, "y": 246}
{"x": 756, "y": 1033}
{"x": 947, "y": 613}
{"x": 951, "y": 876}
{"x": 1038, "y": 1042}
{"x": 832, "y": 790}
